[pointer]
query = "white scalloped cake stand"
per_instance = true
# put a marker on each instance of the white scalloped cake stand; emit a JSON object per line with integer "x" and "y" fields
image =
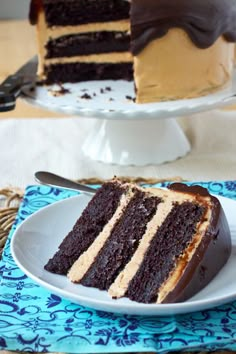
{"x": 126, "y": 133}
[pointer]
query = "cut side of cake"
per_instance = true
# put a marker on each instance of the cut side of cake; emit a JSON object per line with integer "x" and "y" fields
{"x": 82, "y": 40}
{"x": 149, "y": 245}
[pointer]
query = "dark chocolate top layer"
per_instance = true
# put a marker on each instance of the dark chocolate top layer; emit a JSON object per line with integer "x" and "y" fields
{"x": 77, "y": 12}
{"x": 203, "y": 20}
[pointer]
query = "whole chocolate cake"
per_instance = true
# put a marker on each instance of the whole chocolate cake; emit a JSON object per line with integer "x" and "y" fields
{"x": 178, "y": 49}
{"x": 150, "y": 245}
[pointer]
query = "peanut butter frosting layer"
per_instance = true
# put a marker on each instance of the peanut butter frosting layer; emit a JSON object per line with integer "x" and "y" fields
{"x": 203, "y": 20}
{"x": 93, "y": 58}
{"x": 172, "y": 67}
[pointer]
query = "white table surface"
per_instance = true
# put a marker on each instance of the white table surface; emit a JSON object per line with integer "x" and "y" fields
{"x": 28, "y": 145}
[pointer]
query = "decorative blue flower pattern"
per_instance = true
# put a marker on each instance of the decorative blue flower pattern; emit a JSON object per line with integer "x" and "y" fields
{"x": 33, "y": 319}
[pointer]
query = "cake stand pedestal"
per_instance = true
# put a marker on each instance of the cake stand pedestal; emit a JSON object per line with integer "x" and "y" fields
{"x": 126, "y": 133}
{"x": 139, "y": 142}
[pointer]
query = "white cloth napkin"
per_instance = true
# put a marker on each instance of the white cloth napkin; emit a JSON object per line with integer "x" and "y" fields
{"x": 29, "y": 145}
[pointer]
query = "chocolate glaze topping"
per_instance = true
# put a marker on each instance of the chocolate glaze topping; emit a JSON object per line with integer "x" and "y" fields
{"x": 203, "y": 20}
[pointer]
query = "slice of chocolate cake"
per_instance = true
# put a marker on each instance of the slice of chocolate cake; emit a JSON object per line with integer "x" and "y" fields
{"x": 150, "y": 245}
{"x": 82, "y": 40}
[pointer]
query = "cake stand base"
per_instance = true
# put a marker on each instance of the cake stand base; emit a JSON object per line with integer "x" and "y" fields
{"x": 136, "y": 142}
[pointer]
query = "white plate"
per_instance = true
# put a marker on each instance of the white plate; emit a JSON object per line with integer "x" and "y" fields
{"x": 115, "y": 105}
{"x": 38, "y": 237}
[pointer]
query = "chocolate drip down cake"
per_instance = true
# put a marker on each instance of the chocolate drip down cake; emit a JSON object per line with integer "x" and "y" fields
{"x": 182, "y": 49}
{"x": 150, "y": 245}
{"x": 178, "y": 49}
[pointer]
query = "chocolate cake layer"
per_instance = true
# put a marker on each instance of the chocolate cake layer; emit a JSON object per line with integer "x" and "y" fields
{"x": 122, "y": 243}
{"x": 97, "y": 214}
{"x": 203, "y": 20}
{"x": 75, "y": 12}
{"x": 88, "y": 43}
{"x": 169, "y": 242}
{"x": 78, "y": 72}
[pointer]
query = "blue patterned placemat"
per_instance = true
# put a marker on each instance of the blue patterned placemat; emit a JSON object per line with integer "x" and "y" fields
{"x": 33, "y": 319}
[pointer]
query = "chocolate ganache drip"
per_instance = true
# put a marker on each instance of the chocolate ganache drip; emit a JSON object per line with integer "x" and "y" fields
{"x": 203, "y": 20}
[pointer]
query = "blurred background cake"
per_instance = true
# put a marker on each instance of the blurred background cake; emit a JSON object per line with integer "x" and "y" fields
{"x": 178, "y": 49}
